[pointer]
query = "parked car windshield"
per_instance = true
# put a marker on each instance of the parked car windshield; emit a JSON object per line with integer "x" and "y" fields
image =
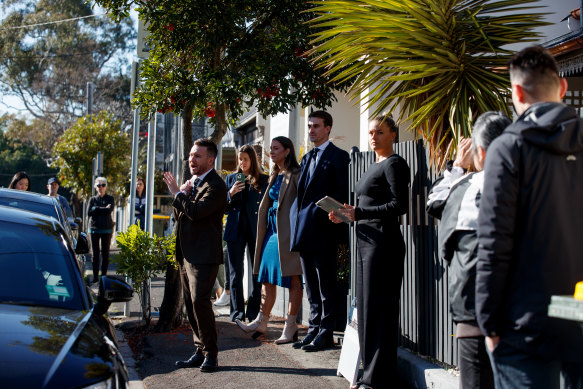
{"x": 43, "y": 208}
{"x": 36, "y": 267}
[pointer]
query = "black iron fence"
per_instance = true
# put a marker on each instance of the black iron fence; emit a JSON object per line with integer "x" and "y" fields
{"x": 426, "y": 325}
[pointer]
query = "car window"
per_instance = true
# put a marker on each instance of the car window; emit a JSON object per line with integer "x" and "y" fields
{"x": 36, "y": 267}
{"x": 49, "y": 209}
{"x": 43, "y": 208}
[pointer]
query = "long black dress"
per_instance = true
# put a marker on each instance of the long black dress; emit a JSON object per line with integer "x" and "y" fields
{"x": 383, "y": 195}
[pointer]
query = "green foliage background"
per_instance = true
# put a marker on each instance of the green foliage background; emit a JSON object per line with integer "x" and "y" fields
{"x": 16, "y": 156}
{"x": 77, "y": 147}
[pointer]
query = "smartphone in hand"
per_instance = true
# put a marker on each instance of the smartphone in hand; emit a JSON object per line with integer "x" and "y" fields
{"x": 240, "y": 177}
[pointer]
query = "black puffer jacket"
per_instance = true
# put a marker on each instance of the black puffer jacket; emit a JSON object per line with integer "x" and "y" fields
{"x": 100, "y": 214}
{"x": 530, "y": 226}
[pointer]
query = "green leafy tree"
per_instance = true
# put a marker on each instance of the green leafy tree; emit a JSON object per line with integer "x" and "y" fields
{"x": 75, "y": 150}
{"x": 218, "y": 58}
{"x": 35, "y": 133}
{"x": 50, "y": 49}
{"x": 442, "y": 62}
{"x": 17, "y": 156}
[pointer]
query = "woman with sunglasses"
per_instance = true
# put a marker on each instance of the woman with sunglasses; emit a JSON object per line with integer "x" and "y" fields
{"x": 100, "y": 226}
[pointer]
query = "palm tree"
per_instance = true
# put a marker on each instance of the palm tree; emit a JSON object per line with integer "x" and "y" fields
{"x": 440, "y": 63}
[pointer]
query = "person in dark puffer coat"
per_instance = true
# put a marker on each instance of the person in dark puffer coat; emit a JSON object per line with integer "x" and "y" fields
{"x": 529, "y": 232}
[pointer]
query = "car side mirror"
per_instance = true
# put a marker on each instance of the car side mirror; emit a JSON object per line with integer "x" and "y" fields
{"x": 74, "y": 226}
{"x": 82, "y": 246}
{"x": 112, "y": 290}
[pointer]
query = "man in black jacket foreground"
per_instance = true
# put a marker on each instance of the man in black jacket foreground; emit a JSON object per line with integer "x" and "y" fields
{"x": 529, "y": 231}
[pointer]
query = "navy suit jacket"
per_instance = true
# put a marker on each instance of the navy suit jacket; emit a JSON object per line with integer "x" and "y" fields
{"x": 235, "y": 204}
{"x": 311, "y": 228}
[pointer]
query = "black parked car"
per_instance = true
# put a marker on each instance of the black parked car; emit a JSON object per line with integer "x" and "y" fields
{"x": 53, "y": 335}
{"x": 47, "y": 205}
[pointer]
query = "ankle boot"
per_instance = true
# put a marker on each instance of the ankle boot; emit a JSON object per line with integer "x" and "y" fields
{"x": 290, "y": 331}
{"x": 251, "y": 326}
{"x": 261, "y": 328}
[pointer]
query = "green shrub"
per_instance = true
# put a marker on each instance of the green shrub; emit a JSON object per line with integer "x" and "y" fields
{"x": 143, "y": 256}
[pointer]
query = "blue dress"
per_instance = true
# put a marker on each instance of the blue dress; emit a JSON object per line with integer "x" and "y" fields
{"x": 270, "y": 270}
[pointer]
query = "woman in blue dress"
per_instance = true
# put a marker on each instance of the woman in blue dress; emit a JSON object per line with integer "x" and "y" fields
{"x": 274, "y": 263}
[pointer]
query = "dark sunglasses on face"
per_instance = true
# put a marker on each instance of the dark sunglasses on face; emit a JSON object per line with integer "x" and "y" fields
{"x": 101, "y": 185}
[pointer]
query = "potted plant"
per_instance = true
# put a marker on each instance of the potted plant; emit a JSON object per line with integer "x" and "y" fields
{"x": 141, "y": 257}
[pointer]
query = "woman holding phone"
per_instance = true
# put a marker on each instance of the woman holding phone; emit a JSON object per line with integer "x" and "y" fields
{"x": 246, "y": 189}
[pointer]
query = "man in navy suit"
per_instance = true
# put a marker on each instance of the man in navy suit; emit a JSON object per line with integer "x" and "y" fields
{"x": 324, "y": 172}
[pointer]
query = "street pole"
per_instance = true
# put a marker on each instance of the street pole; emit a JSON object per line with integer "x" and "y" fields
{"x": 135, "y": 144}
{"x": 149, "y": 227}
{"x": 89, "y": 98}
{"x": 150, "y": 175}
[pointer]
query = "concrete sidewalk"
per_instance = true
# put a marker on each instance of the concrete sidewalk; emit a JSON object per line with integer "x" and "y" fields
{"x": 245, "y": 362}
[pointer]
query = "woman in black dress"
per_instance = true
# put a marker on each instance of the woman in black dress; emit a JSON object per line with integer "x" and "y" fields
{"x": 383, "y": 196}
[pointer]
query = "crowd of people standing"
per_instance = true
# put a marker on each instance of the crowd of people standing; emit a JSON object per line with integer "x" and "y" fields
{"x": 293, "y": 242}
{"x": 511, "y": 214}
{"x": 503, "y": 226}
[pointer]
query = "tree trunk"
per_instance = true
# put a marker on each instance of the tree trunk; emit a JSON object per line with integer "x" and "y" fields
{"x": 171, "y": 308}
{"x": 172, "y": 303}
{"x": 221, "y": 124}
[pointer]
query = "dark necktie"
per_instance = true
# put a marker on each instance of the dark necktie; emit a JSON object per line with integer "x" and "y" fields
{"x": 193, "y": 190}
{"x": 312, "y": 164}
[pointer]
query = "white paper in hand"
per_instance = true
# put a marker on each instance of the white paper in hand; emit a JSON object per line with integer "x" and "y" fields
{"x": 328, "y": 204}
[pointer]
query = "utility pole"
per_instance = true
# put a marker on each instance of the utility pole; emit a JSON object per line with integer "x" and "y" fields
{"x": 89, "y": 98}
{"x": 135, "y": 143}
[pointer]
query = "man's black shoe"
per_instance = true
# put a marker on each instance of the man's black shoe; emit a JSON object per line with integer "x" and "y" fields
{"x": 307, "y": 340}
{"x": 194, "y": 361}
{"x": 321, "y": 342}
{"x": 210, "y": 364}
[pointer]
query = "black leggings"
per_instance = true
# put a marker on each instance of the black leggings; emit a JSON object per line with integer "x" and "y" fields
{"x": 105, "y": 242}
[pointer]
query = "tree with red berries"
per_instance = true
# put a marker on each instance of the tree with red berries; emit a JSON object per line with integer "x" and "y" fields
{"x": 217, "y": 59}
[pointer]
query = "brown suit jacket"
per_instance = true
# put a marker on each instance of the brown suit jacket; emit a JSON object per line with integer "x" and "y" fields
{"x": 199, "y": 227}
{"x": 289, "y": 261}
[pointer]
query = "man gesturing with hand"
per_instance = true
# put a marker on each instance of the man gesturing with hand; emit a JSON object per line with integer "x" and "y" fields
{"x": 199, "y": 205}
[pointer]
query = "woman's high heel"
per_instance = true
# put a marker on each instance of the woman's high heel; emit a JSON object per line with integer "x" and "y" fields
{"x": 290, "y": 331}
{"x": 251, "y": 326}
{"x": 261, "y": 328}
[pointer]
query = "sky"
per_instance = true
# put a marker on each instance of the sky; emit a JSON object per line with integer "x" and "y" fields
{"x": 553, "y": 12}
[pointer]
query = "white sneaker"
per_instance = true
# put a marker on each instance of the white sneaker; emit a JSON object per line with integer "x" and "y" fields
{"x": 225, "y": 299}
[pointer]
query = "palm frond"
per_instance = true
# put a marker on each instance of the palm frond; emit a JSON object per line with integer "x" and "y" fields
{"x": 438, "y": 63}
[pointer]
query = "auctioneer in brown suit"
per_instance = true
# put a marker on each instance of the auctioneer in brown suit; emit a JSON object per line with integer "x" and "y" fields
{"x": 199, "y": 251}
